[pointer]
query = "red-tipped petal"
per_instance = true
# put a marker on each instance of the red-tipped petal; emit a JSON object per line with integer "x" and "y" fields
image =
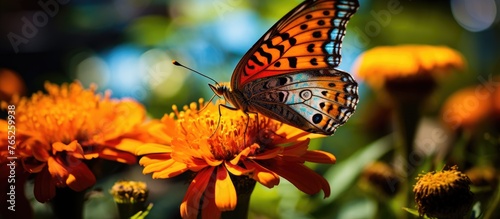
{"x": 191, "y": 202}
{"x": 45, "y": 188}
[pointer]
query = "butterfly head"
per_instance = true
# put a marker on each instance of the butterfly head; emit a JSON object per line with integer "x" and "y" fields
{"x": 219, "y": 89}
{"x": 234, "y": 97}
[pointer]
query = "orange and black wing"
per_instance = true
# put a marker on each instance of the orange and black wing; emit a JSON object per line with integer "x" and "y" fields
{"x": 308, "y": 37}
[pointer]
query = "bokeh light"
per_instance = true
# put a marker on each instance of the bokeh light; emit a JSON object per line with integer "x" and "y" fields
{"x": 125, "y": 72}
{"x": 93, "y": 69}
{"x": 475, "y": 16}
{"x": 160, "y": 75}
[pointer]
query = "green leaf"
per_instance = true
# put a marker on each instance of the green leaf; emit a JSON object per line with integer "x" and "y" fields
{"x": 143, "y": 214}
{"x": 413, "y": 212}
{"x": 343, "y": 174}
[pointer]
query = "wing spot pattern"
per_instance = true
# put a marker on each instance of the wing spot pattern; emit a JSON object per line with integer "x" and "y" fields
{"x": 318, "y": 20}
{"x": 310, "y": 48}
{"x": 282, "y": 81}
{"x": 317, "y": 118}
{"x": 314, "y": 61}
{"x": 306, "y": 94}
{"x": 316, "y": 34}
{"x": 321, "y": 25}
{"x": 281, "y": 97}
{"x": 327, "y": 108}
{"x": 292, "y": 61}
{"x": 265, "y": 54}
{"x": 325, "y": 127}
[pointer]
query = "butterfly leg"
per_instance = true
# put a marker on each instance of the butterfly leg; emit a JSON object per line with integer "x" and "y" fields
{"x": 266, "y": 135}
{"x": 208, "y": 103}
{"x": 220, "y": 115}
{"x": 248, "y": 121}
{"x": 246, "y": 127}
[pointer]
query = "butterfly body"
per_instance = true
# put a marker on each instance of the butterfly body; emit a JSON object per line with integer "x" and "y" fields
{"x": 289, "y": 74}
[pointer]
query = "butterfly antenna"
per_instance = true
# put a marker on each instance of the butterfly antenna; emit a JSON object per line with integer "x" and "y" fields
{"x": 197, "y": 72}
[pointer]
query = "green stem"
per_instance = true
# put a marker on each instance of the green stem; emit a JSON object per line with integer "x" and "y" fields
{"x": 406, "y": 123}
{"x": 493, "y": 206}
{"x": 127, "y": 210}
{"x": 244, "y": 189}
{"x": 68, "y": 203}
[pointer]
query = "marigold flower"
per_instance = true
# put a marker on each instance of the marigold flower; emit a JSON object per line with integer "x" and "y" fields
{"x": 382, "y": 177}
{"x": 467, "y": 108}
{"x": 262, "y": 149}
{"x": 10, "y": 84}
{"x": 130, "y": 197}
{"x": 129, "y": 191}
{"x": 406, "y": 72}
{"x": 443, "y": 194}
{"x": 384, "y": 63}
{"x": 483, "y": 176}
{"x": 58, "y": 131}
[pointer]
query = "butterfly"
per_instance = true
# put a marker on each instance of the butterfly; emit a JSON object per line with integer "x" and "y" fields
{"x": 289, "y": 75}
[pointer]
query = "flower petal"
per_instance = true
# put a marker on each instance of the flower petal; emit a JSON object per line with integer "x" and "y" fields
{"x": 80, "y": 177}
{"x": 237, "y": 170}
{"x": 244, "y": 153}
{"x": 210, "y": 210}
{"x": 40, "y": 153}
{"x": 118, "y": 156}
{"x": 301, "y": 176}
{"x": 152, "y": 148}
{"x": 297, "y": 149}
{"x": 127, "y": 144}
{"x": 268, "y": 154}
{"x": 57, "y": 171}
{"x": 71, "y": 147}
{"x": 157, "y": 166}
{"x": 175, "y": 169}
{"x": 45, "y": 188}
{"x": 317, "y": 156}
{"x": 263, "y": 175}
{"x": 32, "y": 165}
{"x": 293, "y": 134}
{"x": 191, "y": 202}
{"x": 225, "y": 193}
{"x": 153, "y": 158}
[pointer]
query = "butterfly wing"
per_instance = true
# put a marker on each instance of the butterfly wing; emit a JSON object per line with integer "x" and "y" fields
{"x": 316, "y": 101}
{"x": 308, "y": 37}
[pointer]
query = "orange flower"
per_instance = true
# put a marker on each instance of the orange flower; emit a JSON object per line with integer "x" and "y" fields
{"x": 10, "y": 84}
{"x": 406, "y": 73}
{"x": 384, "y": 63}
{"x": 443, "y": 194}
{"x": 57, "y": 132}
{"x": 468, "y": 107}
{"x": 261, "y": 149}
{"x": 472, "y": 107}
